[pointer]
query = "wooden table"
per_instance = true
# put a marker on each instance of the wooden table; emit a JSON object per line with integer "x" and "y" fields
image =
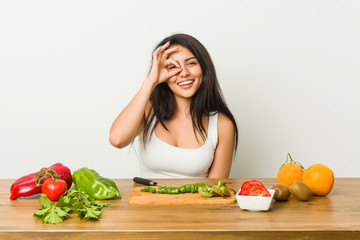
{"x": 336, "y": 216}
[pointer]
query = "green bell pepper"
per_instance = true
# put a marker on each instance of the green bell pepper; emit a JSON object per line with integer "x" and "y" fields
{"x": 95, "y": 185}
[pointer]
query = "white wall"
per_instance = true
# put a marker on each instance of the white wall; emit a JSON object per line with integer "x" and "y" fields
{"x": 289, "y": 71}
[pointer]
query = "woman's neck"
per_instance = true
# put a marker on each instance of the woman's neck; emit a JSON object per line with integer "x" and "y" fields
{"x": 183, "y": 107}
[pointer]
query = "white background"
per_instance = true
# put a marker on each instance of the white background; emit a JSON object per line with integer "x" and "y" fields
{"x": 289, "y": 71}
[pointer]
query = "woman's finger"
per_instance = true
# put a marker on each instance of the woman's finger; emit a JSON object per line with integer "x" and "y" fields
{"x": 163, "y": 47}
{"x": 174, "y": 72}
{"x": 156, "y": 52}
{"x": 167, "y": 52}
{"x": 171, "y": 64}
{"x": 160, "y": 50}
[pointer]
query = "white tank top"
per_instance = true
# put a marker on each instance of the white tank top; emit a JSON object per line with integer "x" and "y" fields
{"x": 162, "y": 160}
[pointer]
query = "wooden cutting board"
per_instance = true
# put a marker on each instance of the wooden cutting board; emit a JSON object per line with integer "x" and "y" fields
{"x": 145, "y": 198}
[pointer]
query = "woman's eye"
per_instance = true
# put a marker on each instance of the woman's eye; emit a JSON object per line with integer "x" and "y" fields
{"x": 192, "y": 63}
{"x": 171, "y": 67}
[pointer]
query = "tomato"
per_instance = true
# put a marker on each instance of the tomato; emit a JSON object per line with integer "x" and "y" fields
{"x": 257, "y": 190}
{"x": 54, "y": 188}
{"x": 252, "y": 182}
{"x": 246, "y": 185}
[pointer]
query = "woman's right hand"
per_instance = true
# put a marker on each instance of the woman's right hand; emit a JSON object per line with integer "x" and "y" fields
{"x": 163, "y": 67}
{"x": 131, "y": 120}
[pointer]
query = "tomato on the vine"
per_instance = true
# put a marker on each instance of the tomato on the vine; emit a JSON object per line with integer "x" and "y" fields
{"x": 54, "y": 188}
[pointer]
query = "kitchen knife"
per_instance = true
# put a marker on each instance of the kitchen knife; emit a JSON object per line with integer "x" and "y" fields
{"x": 146, "y": 182}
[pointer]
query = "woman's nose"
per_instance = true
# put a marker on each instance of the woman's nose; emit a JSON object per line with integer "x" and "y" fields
{"x": 184, "y": 72}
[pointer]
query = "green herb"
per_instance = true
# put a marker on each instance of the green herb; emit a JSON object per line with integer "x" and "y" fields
{"x": 71, "y": 201}
{"x": 50, "y": 213}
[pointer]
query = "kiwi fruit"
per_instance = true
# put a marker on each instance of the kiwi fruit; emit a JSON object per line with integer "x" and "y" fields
{"x": 300, "y": 190}
{"x": 282, "y": 192}
{"x": 222, "y": 192}
{"x": 216, "y": 192}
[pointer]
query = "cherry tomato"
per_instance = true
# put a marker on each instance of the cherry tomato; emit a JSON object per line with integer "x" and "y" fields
{"x": 54, "y": 189}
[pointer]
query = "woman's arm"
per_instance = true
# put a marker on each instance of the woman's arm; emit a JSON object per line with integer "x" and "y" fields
{"x": 131, "y": 120}
{"x": 224, "y": 152}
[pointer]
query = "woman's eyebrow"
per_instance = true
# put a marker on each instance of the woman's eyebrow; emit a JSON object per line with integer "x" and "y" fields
{"x": 189, "y": 59}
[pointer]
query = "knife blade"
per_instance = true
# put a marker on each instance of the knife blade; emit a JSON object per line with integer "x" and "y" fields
{"x": 146, "y": 182}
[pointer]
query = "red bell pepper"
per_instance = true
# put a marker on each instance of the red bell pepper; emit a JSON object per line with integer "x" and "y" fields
{"x": 31, "y": 184}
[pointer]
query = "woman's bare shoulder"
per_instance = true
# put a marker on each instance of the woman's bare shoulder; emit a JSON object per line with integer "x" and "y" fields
{"x": 225, "y": 123}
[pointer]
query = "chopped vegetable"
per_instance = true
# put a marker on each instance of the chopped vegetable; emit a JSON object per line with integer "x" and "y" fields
{"x": 258, "y": 191}
{"x": 188, "y": 188}
{"x": 222, "y": 184}
{"x": 204, "y": 189}
{"x": 149, "y": 189}
{"x": 245, "y": 186}
{"x": 254, "y": 188}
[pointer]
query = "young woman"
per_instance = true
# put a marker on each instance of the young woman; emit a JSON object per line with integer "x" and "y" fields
{"x": 184, "y": 124}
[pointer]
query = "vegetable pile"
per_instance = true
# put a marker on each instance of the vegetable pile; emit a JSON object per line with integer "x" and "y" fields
{"x": 204, "y": 189}
{"x": 55, "y": 182}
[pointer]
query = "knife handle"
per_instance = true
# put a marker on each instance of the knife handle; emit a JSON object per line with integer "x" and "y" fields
{"x": 144, "y": 181}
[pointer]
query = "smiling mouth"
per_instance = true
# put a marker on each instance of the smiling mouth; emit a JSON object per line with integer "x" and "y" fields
{"x": 187, "y": 82}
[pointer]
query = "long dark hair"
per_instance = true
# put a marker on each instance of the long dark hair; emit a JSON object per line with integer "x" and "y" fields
{"x": 206, "y": 100}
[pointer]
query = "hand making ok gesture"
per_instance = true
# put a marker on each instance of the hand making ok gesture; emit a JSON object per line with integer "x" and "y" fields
{"x": 162, "y": 66}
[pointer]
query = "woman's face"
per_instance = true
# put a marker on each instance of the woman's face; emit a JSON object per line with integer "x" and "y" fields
{"x": 188, "y": 80}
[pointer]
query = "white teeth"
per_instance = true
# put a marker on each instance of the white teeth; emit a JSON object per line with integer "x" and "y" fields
{"x": 185, "y": 82}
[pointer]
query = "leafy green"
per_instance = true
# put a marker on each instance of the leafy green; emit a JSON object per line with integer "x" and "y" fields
{"x": 49, "y": 212}
{"x": 55, "y": 216}
{"x": 71, "y": 201}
